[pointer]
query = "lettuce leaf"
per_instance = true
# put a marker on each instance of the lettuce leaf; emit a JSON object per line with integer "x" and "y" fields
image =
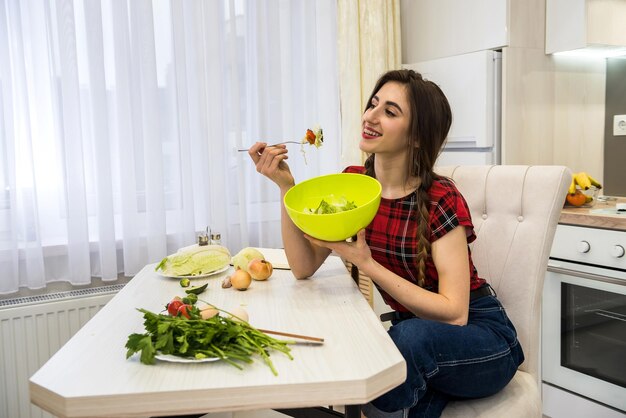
{"x": 333, "y": 205}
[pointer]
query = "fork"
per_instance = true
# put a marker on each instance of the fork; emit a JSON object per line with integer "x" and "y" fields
{"x": 273, "y": 145}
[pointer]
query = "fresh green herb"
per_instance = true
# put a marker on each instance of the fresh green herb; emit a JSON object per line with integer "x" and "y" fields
{"x": 190, "y": 299}
{"x": 230, "y": 340}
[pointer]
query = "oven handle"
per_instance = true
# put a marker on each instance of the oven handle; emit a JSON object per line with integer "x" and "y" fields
{"x": 585, "y": 275}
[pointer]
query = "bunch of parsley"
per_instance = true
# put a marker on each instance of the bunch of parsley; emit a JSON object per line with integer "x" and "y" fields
{"x": 221, "y": 337}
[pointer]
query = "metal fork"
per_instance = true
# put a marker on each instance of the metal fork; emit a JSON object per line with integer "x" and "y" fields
{"x": 278, "y": 143}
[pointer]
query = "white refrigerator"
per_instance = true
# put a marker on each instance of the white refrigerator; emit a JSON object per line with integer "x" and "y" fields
{"x": 472, "y": 83}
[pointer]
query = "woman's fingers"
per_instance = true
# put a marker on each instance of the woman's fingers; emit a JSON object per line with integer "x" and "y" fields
{"x": 256, "y": 150}
{"x": 360, "y": 238}
{"x": 270, "y": 159}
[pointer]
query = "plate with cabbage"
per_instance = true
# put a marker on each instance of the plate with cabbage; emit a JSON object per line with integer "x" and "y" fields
{"x": 195, "y": 261}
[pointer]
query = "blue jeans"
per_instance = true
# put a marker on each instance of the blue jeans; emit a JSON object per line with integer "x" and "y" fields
{"x": 449, "y": 362}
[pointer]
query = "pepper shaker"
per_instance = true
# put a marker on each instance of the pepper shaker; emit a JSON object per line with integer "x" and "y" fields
{"x": 204, "y": 239}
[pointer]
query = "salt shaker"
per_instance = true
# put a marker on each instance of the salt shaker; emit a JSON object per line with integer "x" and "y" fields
{"x": 203, "y": 240}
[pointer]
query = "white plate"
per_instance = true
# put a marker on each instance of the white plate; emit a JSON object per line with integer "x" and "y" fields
{"x": 175, "y": 359}
{"x": 197, "y": 276}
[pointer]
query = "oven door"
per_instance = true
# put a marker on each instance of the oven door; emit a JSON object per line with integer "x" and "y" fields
{"x": 584, "y": 332}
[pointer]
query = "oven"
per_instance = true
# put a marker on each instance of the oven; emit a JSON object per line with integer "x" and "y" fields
{"x": 584, "y": 322}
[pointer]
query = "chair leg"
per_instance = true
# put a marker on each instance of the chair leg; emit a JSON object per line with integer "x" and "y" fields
{"x": 351, "y": 411}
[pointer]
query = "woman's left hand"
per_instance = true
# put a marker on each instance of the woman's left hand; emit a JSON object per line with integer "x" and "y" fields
{"x": 356, "y": 252}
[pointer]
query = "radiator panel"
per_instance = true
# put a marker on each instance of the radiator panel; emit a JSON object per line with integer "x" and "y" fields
{"x": 32, "y": 329}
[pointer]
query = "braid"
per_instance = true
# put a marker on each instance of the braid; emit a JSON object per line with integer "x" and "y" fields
{"x": 423, "y": 231}
{"x": 429, "y": 125}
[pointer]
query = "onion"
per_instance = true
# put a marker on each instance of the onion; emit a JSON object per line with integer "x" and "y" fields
{"x": 239, "y": 313}
{"x": 240, "y": 279}
{"x": 260, "y": 269}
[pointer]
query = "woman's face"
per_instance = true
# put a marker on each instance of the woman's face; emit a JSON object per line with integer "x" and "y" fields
{"x": 385, "y": 123}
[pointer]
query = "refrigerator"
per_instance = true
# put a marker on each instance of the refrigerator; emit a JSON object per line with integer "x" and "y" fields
{"x": 473, "y": 85}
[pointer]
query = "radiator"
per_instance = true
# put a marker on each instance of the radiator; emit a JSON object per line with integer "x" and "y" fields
{"x": 32, "y": 329}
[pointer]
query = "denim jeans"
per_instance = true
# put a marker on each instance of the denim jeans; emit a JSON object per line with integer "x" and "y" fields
{"x": 450, "y": 362}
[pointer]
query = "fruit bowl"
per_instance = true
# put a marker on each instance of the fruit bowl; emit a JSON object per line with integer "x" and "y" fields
{"x": 362, "y": 190}
{"x": 591, "y": 197}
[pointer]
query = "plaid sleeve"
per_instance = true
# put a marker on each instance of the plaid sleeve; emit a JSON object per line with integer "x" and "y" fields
{"x": 448, "y": 211}
{"x": 357, "y": 169}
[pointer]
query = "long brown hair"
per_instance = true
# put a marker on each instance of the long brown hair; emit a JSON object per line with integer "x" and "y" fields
{"x": 430, "y": 120}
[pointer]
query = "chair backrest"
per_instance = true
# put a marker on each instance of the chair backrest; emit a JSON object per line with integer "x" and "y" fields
{"x": 515, "y": 210}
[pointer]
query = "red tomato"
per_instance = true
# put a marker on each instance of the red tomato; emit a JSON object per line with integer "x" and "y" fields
{"x": 183, "y": 310}
{"x": 310, "y": 136}
{"x": 172, "y": 307}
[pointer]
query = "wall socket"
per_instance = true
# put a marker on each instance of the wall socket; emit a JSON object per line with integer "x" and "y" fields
{"x": 619, "y": 125}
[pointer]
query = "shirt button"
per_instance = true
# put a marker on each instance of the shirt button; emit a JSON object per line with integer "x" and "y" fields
{"x": 520, "y": 218}
{"x": 484, "y": 216}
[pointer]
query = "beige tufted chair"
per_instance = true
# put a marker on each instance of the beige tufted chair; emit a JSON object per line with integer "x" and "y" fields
{"x": 515, "y": 210}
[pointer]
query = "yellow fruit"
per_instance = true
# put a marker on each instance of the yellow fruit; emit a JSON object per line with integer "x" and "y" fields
{"x": 582, "y": 180}
{"x": 572, "y": 186}
{"x": 594, "y": 182}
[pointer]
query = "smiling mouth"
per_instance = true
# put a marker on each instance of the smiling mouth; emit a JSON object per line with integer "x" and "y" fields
{"x": 370, "y": 133}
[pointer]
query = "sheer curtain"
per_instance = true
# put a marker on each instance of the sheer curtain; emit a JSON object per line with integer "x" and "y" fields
{"x": 120, "y": 123}
{"x": 369, "y": 45}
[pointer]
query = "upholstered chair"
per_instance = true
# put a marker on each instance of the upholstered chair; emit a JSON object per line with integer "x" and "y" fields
{"x": 515, "y": 210}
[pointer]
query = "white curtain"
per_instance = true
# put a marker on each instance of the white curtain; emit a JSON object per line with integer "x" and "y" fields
{"x": 369, "y": 41}
{"x": 120, "y": 122}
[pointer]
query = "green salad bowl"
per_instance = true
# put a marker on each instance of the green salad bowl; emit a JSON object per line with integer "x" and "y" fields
{"x": 336, "y": 189}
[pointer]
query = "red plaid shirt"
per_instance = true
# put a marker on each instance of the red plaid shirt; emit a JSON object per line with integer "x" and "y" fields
{"x": 392, "y": 234}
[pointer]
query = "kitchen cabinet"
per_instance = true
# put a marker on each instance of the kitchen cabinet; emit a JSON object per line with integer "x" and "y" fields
{"x": 443, "y": 28}
{"x": 552, "y": 106}
{"x": 589, "y": 25}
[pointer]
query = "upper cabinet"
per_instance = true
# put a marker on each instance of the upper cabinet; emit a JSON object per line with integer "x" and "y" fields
{"x": 443, "y": 28}
{"x": 586, "y": 27}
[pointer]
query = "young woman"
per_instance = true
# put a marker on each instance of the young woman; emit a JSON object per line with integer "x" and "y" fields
{"x": 447, "y": 323}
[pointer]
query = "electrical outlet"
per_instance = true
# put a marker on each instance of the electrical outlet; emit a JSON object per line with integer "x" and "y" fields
{"x": 619, "y": 125}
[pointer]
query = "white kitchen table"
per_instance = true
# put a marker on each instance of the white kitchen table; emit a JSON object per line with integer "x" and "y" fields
{"x": 91, "y": 377}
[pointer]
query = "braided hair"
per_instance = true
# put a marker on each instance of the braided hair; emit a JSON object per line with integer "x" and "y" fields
{"x": 430, "y": 120}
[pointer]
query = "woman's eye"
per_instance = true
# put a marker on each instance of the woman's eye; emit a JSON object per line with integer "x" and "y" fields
{"x": 389, "y": 113}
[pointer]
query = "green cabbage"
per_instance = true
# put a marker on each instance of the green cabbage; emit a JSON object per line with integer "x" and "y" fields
{"x": 333, "y": 205}
{"x": 196, "y": 260}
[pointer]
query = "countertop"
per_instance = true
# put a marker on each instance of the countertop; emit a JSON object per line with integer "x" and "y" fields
{"x": 597, "y": 216}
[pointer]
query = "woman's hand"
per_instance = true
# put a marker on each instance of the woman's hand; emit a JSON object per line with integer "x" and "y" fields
{"x": 270, "y": 161}
{"x": 357, "y": 252}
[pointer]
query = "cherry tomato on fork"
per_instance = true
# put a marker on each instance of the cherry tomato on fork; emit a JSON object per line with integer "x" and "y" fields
{"x": 310, "y": 136}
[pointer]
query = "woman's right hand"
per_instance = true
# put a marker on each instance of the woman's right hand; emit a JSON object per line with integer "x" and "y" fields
{"x": 270, "y": 161}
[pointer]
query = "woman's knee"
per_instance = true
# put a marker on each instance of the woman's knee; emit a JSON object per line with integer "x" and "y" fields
{"x": 414, "y": 340}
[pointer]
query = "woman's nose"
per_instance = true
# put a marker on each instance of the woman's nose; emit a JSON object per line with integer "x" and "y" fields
{"x": 370, "y": 115}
